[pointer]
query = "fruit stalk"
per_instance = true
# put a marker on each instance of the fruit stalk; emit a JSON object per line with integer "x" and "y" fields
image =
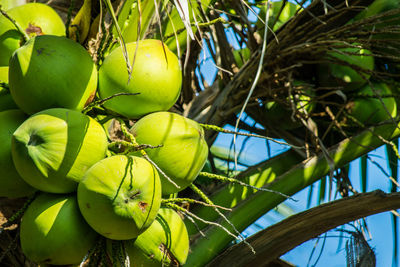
{"x": 132, "y": 139}
{"x": 25, "y": 36}
{"x": 19, "y": 213}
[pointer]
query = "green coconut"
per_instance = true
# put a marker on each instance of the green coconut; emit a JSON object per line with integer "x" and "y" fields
{"x": 11, "y": 183}
{"x": 368, "y": 109}
{"x": 54, "y": 232}
{"x": 386, "y": 23}
{"x": 35, "y": 19}
{"x": 332, "y": 74}
{"x": 165, "y": 242}
{"x": 54, "y": 148}
{"x": 281, "y": 113}
{"x": 156, "y": 77}
{"x": 183, "y": 150}
{"x": 120, "y": 196}
{"x": 6, "y": 101}
{"x": 377, "y": 7}
{"x": 241, "y": 56}
{"x": 277, "y": 14}
{"x": 52, "y": 71}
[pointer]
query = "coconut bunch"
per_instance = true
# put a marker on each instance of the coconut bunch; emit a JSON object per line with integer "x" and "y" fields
{"x": 87, "y": 187}
{"x": 369, "y": 90}
{"x": 318, "y": 83}
{"x": 89, "y": 137}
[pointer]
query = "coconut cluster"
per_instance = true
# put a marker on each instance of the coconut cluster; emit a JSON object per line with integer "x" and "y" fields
{"x": 52, "y": 149}
{"x": 343, "y": 75}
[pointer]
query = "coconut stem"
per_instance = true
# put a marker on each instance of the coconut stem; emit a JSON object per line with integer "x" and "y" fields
{"x": 197, "y": 24}
{"x": 130, "y": 147}
{"x": 236, "y": 181}
{"x": 116, "y": 145}
{"x": 69, "y": 17}
{"x": 110, "y": 9}
{"x": 19, "y": 213}
{"x": 25, "y": 36}
{"x": 222, "y": 130}
{"x": 97, "y": 256}
{"x": 119, "y": 254}
{"x": 192, "y": 201}
{"x": 192, "y": 215}
{"x": 98, "y": 103}
{"x": 132, "y": 139}
{"x": 12, "y": 246}
{"x": 103, "y": 35}
{"x": 208, "y": 201}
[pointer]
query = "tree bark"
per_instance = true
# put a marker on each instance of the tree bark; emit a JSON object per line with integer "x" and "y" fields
{"x": 282, "y": 237}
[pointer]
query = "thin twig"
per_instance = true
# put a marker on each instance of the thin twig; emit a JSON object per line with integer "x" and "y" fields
{"x": 132, "y": 139}
{"x": 188, "y": 213}
{"x": 206, "y": 199}
{"x": 255, "y": 81}
{"x": 222, "y": 130}
{"x": 189, "y": 200}
{"x": 236, "y": 181}
{"x": 24, "y": 34}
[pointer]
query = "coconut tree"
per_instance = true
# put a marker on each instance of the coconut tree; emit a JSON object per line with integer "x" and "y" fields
{"x": 318, "y": 77}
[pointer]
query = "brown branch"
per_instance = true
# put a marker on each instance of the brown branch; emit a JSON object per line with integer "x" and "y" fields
{"x": 280, "y": 238}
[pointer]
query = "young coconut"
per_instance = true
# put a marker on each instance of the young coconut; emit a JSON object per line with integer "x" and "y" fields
{"x": 164, "y": 243}
{"x": 277, "y": 14}
{"x": 120, "y": 196}
{"x": 54, "y": 232}
{"x": 52, "y": 71}
{"x": 156, "y": 76}
{"x": 281, "y": 113}
{"x": 332, "y": 74}
{"x": 35, "y": 19}
{"x": 54, "y": 148}
{"x": 367, "y": 108}
{"x": 11, "y": 183}
{"x": 183, "y": 150}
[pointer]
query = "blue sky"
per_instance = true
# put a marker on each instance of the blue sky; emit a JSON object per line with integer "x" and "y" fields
{"x": 380, "y": 225}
